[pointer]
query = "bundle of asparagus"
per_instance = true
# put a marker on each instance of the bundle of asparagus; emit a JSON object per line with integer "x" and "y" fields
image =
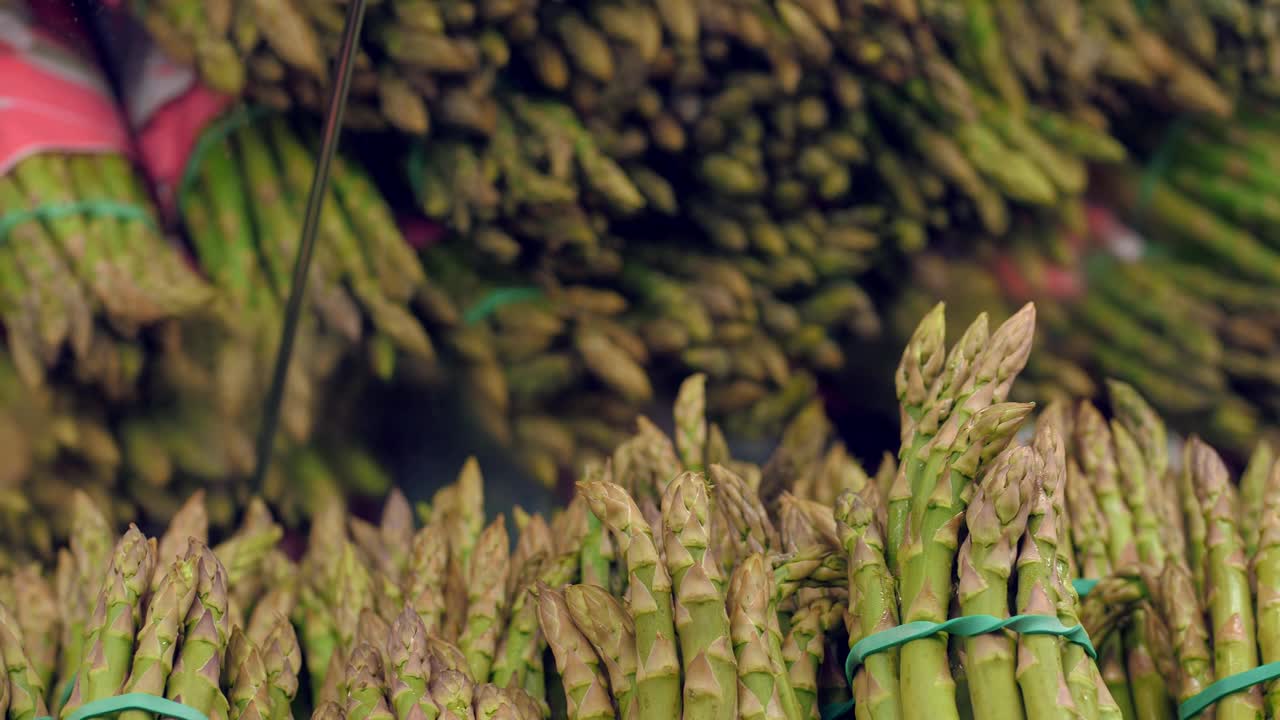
{"x": 86, "y": 269}
{"x": 1184, "y": 557}
{"x": 164, "y": 617}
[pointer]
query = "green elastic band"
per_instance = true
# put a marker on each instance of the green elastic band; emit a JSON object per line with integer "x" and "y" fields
{"x": 1227, "y": 686}
{"x": 153, "y": 704}
{"x": 496, "y": 299}
{"x": 215, "y": 134}
{"x": 56, "y": 211}
{"x": 966, "y": 626}
{"x": 1084, "y": 586}
{"x": 1159, "y": 163}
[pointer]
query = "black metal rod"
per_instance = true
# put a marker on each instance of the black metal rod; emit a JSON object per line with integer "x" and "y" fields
{"x": 307, "y": 243}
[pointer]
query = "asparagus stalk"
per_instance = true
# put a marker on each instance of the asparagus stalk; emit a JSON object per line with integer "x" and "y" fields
{"x": 873, "y": 606}
{"x": 585, "y": 685}
{"x": 486, "y": 598}
{"x": 1227, "y": 578}
{"x": 158, "y": 638}
{"x": 996, "y": 517}
{"x": 195, "y": 679}
{"x": 702, "y": 624}
{"x": 1045, "y": 693}
{"x": 610, "y": 630}
{"x": 25, "y": 696}
{"x": 1266, "y": 568}
{"x": 649, "y": 597}
{"x": 111, "y": 632}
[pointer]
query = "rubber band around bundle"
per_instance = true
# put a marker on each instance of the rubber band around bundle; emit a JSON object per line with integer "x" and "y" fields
{"x": 154, "y": 704}
{"x": 964, "y": 626}
{"x": 496, "y": 299}
{"x": 217, "y": 131}
{"x": 54, "y": 211}
{"x": 1229, "y": 685}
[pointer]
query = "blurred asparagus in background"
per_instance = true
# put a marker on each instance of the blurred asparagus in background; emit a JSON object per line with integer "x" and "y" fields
{"x": 1182, "y": 304}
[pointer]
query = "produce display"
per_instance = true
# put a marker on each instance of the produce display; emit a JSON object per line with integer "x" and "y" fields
{"x": 676, "y": 578}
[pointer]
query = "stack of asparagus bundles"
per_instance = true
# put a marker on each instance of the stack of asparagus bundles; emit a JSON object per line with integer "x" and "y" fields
{"x": 166, "y": 616}
{"x": 1185, "y": 559}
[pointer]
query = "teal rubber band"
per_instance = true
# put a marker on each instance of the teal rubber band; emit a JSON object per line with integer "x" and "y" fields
{"x": 56, "y": 211}
{"x": 1227, "y": 686}
{"x": 966, "y": 626}
{"x": 496, "y": 299}
{"x": 137, "y": 701}
{"x": 1084, "y": 586}
{"x": 217, "y": 132}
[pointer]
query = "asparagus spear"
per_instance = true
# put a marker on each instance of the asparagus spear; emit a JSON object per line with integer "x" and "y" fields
{"x": 366, "y": 696}
{"x": 25, "y": 693}
{"x": 454, "y": 691}
{"x": 111, "y": 631}
{"x": 691, "y": 422}
{"x": 427, "y": 562}
{"x": 996, "y": 518}
{"x": 1176, "y": 601}
{"x": 586, "y": 688}
{"x": 1226, "y": 576}
{"x": 702, "y": 625}
{"x": 1045, "y": 693}
{"x": 194, "y": 680}
{"x": 37, "y": 613}
{"x": 1097, "y": 455}
{"x": 283, "y": 660}
{"x": 932, "y": 411}
{"x": 486, "y": 598}
{"x": 610, "y": 630}
{"x": 760, "y": 668}
{"x": 250, "y": 695}
{"x": 1266, "y": 568}
{"x": 873, "y": 606}
{"x": 158, "y": 639}
{"x": 1253, "y": 485}
{"x": 649, "y": 597}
